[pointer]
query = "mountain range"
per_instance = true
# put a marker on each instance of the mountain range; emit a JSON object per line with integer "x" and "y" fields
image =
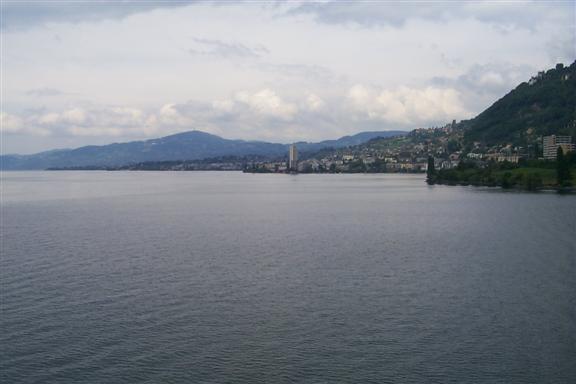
{"x": 544, "y": 105}
{"x": 191, "y": 145}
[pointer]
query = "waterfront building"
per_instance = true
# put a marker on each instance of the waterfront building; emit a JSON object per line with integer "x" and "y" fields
{"x": 550, "y": 145}
{"x": 511, "y": 158}
{"x": 293, "y": 158}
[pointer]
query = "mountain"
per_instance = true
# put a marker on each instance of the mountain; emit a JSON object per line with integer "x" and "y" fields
{"x": 347, "y": 141}
{"x": 192, "y": 145}
{"x": 544, "y": 105}
{"x": 182, "y": 146}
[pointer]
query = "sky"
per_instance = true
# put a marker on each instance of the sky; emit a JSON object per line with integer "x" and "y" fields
{"x": 80, "y": 72}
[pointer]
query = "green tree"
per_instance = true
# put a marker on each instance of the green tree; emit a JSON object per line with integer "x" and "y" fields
{"x": 307, "y": 168}
{"x": 505, "y": 181}
{"x": 532, "y": 181}
{"x": 356, "y": 166}
{"x": 562, "y": 168}
{"x": 453, "y": 146}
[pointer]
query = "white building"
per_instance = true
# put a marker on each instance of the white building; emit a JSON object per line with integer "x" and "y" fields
{"x": 293, "y": 158}
{"x": 551, "y": 144}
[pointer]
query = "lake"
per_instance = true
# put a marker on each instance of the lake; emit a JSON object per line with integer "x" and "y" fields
{"x": 207, "y": 277}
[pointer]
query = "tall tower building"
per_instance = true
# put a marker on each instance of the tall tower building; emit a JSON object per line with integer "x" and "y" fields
{"x": 293, "y": 158}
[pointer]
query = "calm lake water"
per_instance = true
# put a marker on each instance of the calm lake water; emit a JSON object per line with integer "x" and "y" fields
{"x": 167, "y": 277}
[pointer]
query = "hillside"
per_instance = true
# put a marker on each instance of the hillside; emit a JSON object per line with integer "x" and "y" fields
{"x": 347, "y": 141}
{"x": 192, "y": 145}
{"x": 544, "y": 105}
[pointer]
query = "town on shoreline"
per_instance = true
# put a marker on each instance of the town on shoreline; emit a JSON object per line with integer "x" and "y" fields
{"x": 524, "y": 140}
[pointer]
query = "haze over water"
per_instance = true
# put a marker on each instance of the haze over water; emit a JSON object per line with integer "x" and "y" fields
{"x": 191, "y": 277}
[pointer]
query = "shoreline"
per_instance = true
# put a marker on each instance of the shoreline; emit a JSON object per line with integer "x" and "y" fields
{"x": 512, "y": 188}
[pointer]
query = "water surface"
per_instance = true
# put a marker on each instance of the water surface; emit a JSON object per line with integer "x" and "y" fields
{"x": 189, "y": 277}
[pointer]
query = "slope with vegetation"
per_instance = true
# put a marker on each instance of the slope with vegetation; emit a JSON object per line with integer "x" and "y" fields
{"x": 544, "y": 105}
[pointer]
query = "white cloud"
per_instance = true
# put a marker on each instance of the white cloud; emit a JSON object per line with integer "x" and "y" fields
{"x": 13, "y": 124}
{"x": 96, "y": 121}
{"x": 314, "y": 102}
{"x": 267, "y": 103}
{"x": 169, "y": 115}
{"x": 405, "y": 105}
{"x": 74, "y": 116}
{"x": 491, "y": 79}
{"x": 244, "y": 111}
{"x": 49, "y": 118}
{"x": 223, "y": 105}
{"x": 10, "y": 123}
{"x": 263, "y": 114}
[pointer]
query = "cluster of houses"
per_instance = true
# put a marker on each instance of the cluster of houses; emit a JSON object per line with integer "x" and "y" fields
{"x": 513, "y": 154}
{"x": 410, "y": 153}
{"x": 407, "y": 153}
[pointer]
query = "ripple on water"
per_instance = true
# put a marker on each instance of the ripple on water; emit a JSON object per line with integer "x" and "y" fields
{"x": 210, "y": 278}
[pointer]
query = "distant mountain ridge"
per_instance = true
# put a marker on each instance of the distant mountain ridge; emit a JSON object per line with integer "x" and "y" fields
{"x": 191, "y": 145}
{"x": 347, "y": 141}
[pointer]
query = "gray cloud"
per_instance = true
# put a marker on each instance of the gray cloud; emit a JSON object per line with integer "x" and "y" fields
{"x": 222, "y": 49}
{"x": 503, "y": 15}
{"x": 482, "y": 84}
{"x": 562, "y": 48}
{"x": 46, "y": 92}
{"x": 311, "y": 72}
{"x": 27, "y": 14}
{"x": 306, "y": 80}
{"x": 492, "y": 78}
{"x": 369, "y": 14}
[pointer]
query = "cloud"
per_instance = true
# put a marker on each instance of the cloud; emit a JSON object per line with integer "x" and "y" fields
{"x": 10, "y": 123}
{"x": 13, "y": 124}
{"x": 561, "y": 48}
{"x": 170, "y": 116}
{"x": 482, "y": 84}
{"x": 46, "y": 92}
{"x": 86, "y": 117}
{"x": 95, "y": 121}
{"x": 314, "y": 102}
{"x": 503, "y": 15}
{"x": 261, "y": 114}
{"x": 221, "y": 49}
{"x": 243, "y": 111}
{"x": 406, "y": 106}
{"x": 491, "y": 78}
{"x": 24, "y": 14}
{"x": 267, "y": 103}
{"x": 316, "y": 73}
{"x": 264, "y": 104}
